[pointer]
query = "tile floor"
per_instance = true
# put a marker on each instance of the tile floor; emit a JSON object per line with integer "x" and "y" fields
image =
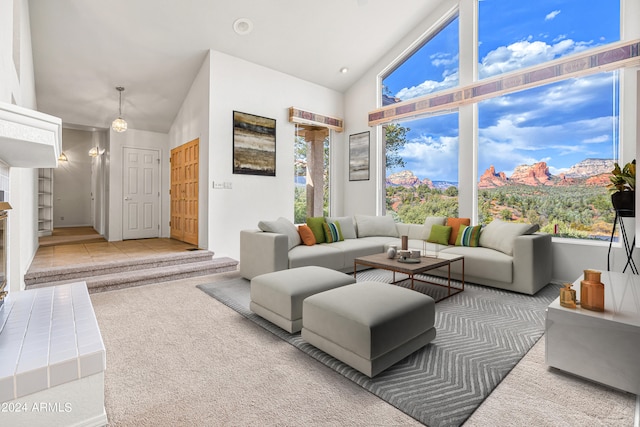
{"x": 91, "y": 253}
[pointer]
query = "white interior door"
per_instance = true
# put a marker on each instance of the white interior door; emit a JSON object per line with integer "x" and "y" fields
{"x": 141, "y": 194}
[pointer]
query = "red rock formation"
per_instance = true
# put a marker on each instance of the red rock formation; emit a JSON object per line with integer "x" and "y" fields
{"x": 537, "y": 174}
{"x": 601, "y": 180}
{"x": 491, "y": 179}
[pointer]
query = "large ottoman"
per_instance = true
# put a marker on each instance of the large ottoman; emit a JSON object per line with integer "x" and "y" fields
{"x": 369, "y": 325}
{"x": 278, "y": 296}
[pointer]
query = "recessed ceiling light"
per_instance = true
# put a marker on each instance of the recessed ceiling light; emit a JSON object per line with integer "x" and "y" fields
{"x": 344, "y": 70}
{"x": 242, "y": 26}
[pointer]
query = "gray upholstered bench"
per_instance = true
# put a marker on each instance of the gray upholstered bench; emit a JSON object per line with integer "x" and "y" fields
{"x": 278, "y": 296}
{"x": 369, "y": 325}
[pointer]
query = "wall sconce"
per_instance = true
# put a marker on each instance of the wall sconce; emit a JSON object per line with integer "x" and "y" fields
{"x": 63, "y": 157}
{"x": 96, "y": 151}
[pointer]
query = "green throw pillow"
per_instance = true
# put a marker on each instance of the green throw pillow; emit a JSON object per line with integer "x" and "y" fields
{"x": 440, "y": 234}
{"x": 469, "y": 236}
{"x": 315, "y": 224}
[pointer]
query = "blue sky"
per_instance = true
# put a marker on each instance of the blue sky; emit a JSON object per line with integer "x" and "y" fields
{"x": 561, "y": 124}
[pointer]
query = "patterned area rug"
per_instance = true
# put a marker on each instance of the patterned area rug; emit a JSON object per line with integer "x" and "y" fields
{"x": 482, "y": 333}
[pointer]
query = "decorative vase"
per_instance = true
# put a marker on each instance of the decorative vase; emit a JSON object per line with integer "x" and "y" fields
{"x": 405, "y": 242}
{"x": 592, "y": 291}
{"x": 391, "y": 252}
{"x": 624, "y": 202}
{"x": 568, "y": 296}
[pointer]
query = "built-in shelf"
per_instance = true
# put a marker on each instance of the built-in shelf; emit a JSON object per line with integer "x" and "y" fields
{"x": 45, "y": 202}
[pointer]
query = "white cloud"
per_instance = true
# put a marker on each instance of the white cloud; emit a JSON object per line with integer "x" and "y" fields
{"x": 429, "y": 86}
{"x": 551, "y": 15}
{"x": 526, "y": 53}
{"x": 433, "y": 158}
{"x": 597, "y": 139}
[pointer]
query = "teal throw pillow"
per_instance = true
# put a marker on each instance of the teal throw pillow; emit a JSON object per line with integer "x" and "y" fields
{"x": 440, "y": 234}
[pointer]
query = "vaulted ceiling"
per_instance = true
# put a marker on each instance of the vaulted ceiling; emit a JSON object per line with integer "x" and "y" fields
{"x": 82, "y": 50}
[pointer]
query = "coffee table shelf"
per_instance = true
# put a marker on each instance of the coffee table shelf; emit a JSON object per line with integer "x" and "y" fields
{"x": 426, "y": 263}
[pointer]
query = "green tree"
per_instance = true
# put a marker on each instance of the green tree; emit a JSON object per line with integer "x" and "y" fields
{"x": 396, "y": 138}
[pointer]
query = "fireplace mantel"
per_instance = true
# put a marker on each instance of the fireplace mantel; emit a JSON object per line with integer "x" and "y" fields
{"x": 29, "y": 138}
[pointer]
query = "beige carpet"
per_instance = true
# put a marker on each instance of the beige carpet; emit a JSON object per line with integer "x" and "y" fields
{"x": 176, "y": 356}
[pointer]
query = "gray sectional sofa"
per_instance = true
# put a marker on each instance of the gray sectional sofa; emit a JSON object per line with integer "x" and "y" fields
{"x": 510, "y": 256}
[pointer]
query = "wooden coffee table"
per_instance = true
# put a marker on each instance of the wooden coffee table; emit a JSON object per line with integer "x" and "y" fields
{"x": 411, "y": 269}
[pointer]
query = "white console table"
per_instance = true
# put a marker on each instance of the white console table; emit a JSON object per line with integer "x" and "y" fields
{"x": 600, "y": 346}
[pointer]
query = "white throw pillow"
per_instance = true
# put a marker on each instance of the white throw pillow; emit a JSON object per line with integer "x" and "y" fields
{"x": 347, "y": 226}
{"x": 500, "y": 235}
{"x": 282, "y": 226}
{"x": 376, "y": 226}
{"x": 431, "y": 220}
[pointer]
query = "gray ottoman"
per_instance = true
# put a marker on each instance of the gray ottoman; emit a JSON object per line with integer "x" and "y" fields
{"x": 278, "y": 296}
{"x": 369, "y": 325}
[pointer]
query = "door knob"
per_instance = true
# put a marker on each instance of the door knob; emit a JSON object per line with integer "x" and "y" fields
{"x": 126, "y": 198}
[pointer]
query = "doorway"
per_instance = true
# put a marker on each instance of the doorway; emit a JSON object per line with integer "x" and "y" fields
{"x": 141, "y": 192}
{"x": 184, "y": 192}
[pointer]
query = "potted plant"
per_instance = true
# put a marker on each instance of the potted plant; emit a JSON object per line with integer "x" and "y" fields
{"x": 623, "y": 189}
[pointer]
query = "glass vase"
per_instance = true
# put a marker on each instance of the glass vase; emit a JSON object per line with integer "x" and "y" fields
{"x": 592, "y": 291}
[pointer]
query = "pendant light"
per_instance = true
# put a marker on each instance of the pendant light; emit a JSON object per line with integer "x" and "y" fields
{"x": 119, "y": 124}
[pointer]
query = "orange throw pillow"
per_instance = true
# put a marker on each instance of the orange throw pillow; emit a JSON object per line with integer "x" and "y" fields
{"x": 455, "y": 224}
{"x": 306, "y": 235}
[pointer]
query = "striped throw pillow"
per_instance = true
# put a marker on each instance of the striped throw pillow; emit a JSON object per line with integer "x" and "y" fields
{"x": 332, "y": 232}
{"x": 469, "y": 236}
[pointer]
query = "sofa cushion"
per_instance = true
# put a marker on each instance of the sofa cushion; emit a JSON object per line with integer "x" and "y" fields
{"x": 469, "y": 236}
{"x": 440, "y": 234}
{"x": 482, "y": 262}
{"x": 322, "y": 255}
{"x": 346, "y": 225}
{"x": 354, "y": 248}
{"x": 500, "y": 235}
{"x": 376, "y": 226}
{"x": 455, "y": 224}
{"x": 315, "y": 224}
{"x": 431, "y": 220}
{"x": 306, "y": 235}
{"x": 282, "y": 226}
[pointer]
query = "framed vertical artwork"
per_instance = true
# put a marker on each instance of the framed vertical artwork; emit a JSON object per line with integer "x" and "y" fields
{"x": 254, "y": 145}
{"x": 359, "y": 156}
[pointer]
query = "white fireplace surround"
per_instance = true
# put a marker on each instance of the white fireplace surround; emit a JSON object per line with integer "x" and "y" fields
{"x": 29, "y": 138}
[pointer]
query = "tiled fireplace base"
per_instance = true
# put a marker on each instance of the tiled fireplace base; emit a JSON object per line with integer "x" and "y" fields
{"x": 52, "y": 358}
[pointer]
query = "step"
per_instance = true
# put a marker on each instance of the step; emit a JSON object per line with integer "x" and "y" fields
{"x": 125, "y": 279}
{"x": 65, "y": 274}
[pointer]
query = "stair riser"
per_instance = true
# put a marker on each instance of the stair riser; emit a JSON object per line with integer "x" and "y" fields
{"x": 88, "y": 271}
{"x": 104, "y": 288}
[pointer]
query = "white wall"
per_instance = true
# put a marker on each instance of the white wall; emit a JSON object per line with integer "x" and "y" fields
{"x": 134, "y": 139}
{"x": 192, "y": 121}
{"x": 72, "y": 181}
{"x": 249, "y": 88}
{"x": 570, "y": 258}
{"x": 21, "y": 186}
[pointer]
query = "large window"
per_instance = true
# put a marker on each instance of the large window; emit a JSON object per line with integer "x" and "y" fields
{"x": 431, "y": 68}
{"x": 422, "y": 155}
{"x": 422, "y": 168}
{"x": 311, "y": 154}
{"x": 543, "y": 154}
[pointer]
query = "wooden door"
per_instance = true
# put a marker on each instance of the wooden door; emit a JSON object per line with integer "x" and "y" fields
{"x": 141, "y": 191}
{"x": 184, "y": 192}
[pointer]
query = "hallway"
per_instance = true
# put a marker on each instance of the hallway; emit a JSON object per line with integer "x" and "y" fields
{"x": 65, "y": 251}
